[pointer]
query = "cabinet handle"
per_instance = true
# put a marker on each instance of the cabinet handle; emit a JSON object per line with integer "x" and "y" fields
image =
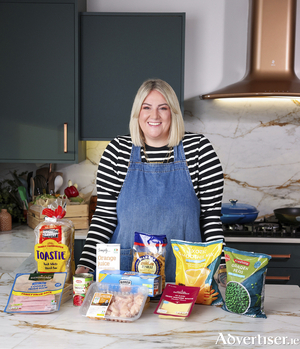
{"x": 286, "y": 278}
{"x": 65, "y": 137}
{"x": 281, "y": 256}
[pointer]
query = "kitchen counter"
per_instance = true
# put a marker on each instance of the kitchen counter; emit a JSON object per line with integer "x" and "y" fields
{"x": 207, "y": 327}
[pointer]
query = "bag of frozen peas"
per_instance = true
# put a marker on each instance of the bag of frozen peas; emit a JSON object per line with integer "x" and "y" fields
{"x": 245, "y": 286}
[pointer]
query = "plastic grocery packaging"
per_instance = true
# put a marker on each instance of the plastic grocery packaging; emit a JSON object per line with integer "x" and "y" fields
{"x": 151, "y": 281}
{"x": 115, "y": 302}
{"x": 196, "y": 265}
{"x": 54, "y": 247}
{"x": 177, "y": 302}
{"x": 149, "y": 254}
{"x": 36, "y": 293}
{"x": 245, "y": 287}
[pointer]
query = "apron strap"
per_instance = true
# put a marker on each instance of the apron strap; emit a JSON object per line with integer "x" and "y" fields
{"x": 179, "y": 153}
{"x": 135, "y": 155}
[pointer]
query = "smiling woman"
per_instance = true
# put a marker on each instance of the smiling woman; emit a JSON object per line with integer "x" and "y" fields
{"x": 156, "y": 103}
{"x": 155, "y": 119}
{"x": 159, "y": 180}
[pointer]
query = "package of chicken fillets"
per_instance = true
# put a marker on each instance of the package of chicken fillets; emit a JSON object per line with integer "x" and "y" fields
{"x": 36, "y": 293}
{"x": 114, "y": 302}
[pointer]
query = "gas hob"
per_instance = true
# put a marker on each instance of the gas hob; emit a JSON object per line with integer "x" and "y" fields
{"x": 267, "y": 227}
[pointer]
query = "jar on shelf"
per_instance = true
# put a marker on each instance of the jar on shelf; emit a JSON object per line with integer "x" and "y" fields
{"x": 5, "y": 220}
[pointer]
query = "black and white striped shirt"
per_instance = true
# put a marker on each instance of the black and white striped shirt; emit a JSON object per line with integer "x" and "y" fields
{"x": 206, "y": 174}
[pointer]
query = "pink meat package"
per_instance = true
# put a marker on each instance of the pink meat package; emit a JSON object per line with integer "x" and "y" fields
{"x": 36, "y": 293}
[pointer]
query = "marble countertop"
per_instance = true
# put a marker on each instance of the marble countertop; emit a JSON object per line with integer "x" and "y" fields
{"x": 207, "y": 327}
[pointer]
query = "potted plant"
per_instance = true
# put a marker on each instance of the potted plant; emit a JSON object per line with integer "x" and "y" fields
{"x": 10, "y": 198}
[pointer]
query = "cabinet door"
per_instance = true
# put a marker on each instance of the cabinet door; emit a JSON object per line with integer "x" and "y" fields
{"x": 118, "y": 52}
{"x": 38, "y": 84}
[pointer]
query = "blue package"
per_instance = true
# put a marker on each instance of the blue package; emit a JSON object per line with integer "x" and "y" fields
{"x": 36, "y": 293}
{"x": 151, "y": 281}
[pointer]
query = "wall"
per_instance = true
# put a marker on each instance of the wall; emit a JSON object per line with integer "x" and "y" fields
{"x": 256, "y": 140}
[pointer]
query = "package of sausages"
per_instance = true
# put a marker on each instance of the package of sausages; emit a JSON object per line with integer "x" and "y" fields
{"x": 54, "y": 247}
{"x": 36, "y": 293}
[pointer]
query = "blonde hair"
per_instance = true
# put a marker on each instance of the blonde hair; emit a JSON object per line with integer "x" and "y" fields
{"x": 177, "y": 124}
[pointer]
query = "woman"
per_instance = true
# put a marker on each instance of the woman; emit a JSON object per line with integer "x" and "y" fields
{"x": 160, "y": 180}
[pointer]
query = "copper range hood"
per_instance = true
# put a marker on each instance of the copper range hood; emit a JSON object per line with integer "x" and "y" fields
{"x": 271, "y": 51}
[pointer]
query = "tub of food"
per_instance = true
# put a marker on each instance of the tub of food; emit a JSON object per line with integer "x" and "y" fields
{"x": 114, "y": 302}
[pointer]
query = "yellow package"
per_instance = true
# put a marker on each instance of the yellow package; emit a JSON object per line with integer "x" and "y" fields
{"x": 196, "y": 264}
{"x": 54, "y": 246}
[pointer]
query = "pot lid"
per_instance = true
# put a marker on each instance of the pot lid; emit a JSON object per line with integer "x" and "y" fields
{"x": 234, "y": 208}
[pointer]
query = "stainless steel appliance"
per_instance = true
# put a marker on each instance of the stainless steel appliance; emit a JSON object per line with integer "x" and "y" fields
{"x": 279, "y": 240}
{"x": 267, "y": 227}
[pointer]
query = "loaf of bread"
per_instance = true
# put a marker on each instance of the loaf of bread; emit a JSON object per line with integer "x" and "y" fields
{"x": 54, "y": 248}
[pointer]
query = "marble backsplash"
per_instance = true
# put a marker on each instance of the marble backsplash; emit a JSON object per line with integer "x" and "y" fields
{"x": 257, "y": 140}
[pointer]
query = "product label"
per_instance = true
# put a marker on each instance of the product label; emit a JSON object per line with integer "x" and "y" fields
{"x": 50, "y": 232}
{"x": 240, "y": 267}
{"x": 147, "y": 264}
{"x": 107, "y": 257}
{"x": 51, "y": 256}
{"x": 99, "y": 305}
{"x": 36, "y": 294}
{"x": 81, "y": 285}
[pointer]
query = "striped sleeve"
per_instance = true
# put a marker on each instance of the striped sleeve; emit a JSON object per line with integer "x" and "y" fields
{"x": 207, "y": 177}
{"x": 111, "y": 173}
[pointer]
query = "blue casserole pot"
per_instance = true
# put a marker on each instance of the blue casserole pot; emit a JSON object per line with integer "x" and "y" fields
{"x": 234, "y": 213}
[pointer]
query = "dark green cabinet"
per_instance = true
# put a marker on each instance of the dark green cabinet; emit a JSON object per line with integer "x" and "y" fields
{"x": 118, "y": 52}
{"x": 39, "y": 81}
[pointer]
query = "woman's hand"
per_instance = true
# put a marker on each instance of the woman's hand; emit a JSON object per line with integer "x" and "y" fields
{"x": 81, "y": 270}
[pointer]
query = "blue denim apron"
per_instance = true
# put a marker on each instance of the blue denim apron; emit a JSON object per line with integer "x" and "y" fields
{"x": 157, "y": 199}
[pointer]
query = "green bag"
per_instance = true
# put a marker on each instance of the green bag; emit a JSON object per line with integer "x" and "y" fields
{"x": 245, "y": 286}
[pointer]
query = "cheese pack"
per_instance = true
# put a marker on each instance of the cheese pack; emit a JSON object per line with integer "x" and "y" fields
{"x": 177, "y": 302}
{"x": 54, "y": 245}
